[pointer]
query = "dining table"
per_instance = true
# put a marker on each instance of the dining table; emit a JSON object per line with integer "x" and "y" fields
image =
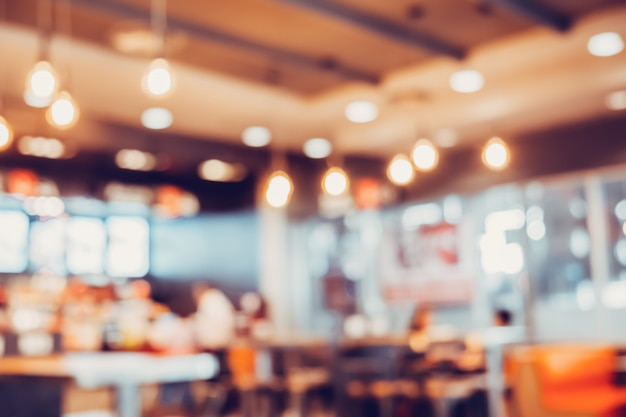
{"x": 124, "y": 372}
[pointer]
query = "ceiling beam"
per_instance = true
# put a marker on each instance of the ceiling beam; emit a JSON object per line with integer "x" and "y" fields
{"x": 382, "y": 26}
{"x": 212, "y": 35}
{"x": 539, "y": 13}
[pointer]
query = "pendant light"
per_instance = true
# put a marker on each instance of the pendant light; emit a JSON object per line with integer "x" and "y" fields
{"x": 63, "y": 113}
{"x": 6, "y": 133}
{"x": 335, "y": 181}
{"x": 158, "y": 80}
{"x": 42, "y": 81}
{"x": 279, "y": 187}
{"x": 400, "y": 171}
{"x": 425, "y": 155}
{"x": 496, "y": 154}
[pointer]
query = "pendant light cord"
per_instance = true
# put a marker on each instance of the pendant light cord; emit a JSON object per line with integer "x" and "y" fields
{"x": 158, "y": 21}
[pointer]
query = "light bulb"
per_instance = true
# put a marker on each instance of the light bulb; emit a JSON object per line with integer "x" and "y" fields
{"x": 279, "y": 189}
{"x": 496, "y": 154}
{"x": 400, "y": 170}
{"x": 317, "y": 148}
{"x": 63, "y": 112}
{"x": 424, "y": 155}
{"x": 158, "y": 79}
{"x": 157, "y": 118}
{"x": 335, "y": 181}
{"x": 361, "y": 112}
{"x": 256, "y": 136}
{"x": 6, "y": 134}
{"x": 41, "y": 85}
{"x": 467, "y": 81}
{"x": 605, "y": 44}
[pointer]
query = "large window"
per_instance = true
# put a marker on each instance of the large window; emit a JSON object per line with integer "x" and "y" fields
{"x": 128, "y": 251}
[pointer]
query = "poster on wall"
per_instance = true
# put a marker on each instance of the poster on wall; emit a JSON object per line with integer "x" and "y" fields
{"x": 428, "y": 264}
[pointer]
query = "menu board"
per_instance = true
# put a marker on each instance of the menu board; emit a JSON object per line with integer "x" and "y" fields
{"x": 47, "y": 246}
{"x": 129, "y": 246}
{"x": 86, "y": 243}
{"x": 14, "y": 227}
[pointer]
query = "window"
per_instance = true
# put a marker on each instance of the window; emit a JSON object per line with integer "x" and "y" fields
{"x": 129, "y": 246}
{"x": 13, "y": 241}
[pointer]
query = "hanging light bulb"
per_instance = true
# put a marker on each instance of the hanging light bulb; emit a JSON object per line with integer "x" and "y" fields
{"x": 279, "y": 189}
{"x": 424, "y": 155}
{"x": 400, "y": 170}
{"x": 41, "y": 85}
{"x": 63, "y": 112}
{"x": 6, "y": 134}
{"x": 496, "y": 154}
{"x": 335, "y": 181}
{"x": 158, "y": 79}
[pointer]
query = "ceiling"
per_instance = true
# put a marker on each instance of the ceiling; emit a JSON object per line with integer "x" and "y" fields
{"x": 293, "y": 65}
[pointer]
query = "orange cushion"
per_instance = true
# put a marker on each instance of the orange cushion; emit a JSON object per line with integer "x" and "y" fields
{"x": 597, "y": 400}
{"x": 573, "y": 366}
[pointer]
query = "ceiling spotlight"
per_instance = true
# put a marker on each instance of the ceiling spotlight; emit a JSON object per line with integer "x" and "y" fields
{"x": 605, "y": 44}
{"x": 41, "y": 85}
{"x": 6, "y": 134}
{"x": 400, "y": 170}
{"x": 424, "y": 155}
{"x": 135, "y": 160}
{"x": 158, "y": 80}
{"x": 335, "y": 181}
{"x": 317, "y": 148}
{"x": 616, "y": 100}
{"x": 63, "y": 112}
{"x": 279, "y": 189}
{"x": 256, "y": 136}
{"x": 361, "y": 111}
{"x": 496, "y": 154}
{"x": 157, "y": 118}
{"x": 220, "y": 171}
{"x": 467, "y": 81}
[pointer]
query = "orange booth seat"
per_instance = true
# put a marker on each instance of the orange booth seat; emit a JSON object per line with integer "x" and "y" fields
{"x": 565, "y": 380}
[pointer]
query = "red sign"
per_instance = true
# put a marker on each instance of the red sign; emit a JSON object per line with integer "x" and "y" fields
{"x": 368, "y": 194}
{"x": 24, "y": 182}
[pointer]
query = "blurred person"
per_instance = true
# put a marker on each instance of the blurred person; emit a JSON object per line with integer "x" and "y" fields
{"x": 215, "y": 318}
{"x": 419, "y": 337}
{"x": 255, "y": 308}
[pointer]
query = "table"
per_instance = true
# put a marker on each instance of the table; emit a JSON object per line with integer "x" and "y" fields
{"x": 124, "y": 372}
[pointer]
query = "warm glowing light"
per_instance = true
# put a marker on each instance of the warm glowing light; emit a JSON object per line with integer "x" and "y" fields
{"x": 6, "y": 134}
{"x": 279, "y": 189}
{"x": 424, "y": 155}
{"x": 158, "y": 80}
{"x": 400, "y": 170}
{"x": 256, "y": 136}
{"x": 335, "y": 182}
{"x": 135, "y": 160}
{"x": 220, "y": 171}
{"x": 157, "y": 118}
{"x": 361, "y": 111}
{"x": 41, "y": 84}
{"x": 63, "y": 112}
{"x": 317, "y": 148}
{"x": 605, "y": 44}
{"x": 41, "y": 147}
{"x": 446, "y": 138}
{"x": 467, "y": 81}
{"x": 496, "y": 154}
{"x": 616, "y": 100}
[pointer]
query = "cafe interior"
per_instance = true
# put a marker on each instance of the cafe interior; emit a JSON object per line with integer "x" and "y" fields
{"x": 312, "y": 208}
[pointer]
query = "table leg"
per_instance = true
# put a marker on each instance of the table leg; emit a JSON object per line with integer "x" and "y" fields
{"x": 128, "y": 399}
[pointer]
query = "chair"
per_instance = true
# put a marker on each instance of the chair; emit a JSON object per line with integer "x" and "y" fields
{"x": 565, "y": 381}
